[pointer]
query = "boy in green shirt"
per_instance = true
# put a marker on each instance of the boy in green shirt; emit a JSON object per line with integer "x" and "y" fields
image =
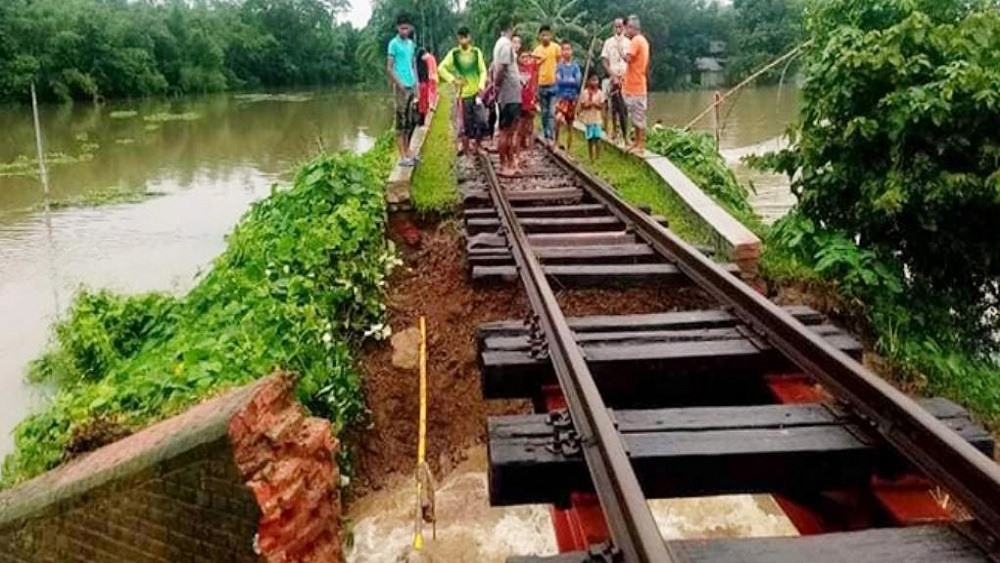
{"x": 466, "y": 67}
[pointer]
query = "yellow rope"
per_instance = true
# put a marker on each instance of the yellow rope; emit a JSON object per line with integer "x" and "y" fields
{"x": 423, "y": 478}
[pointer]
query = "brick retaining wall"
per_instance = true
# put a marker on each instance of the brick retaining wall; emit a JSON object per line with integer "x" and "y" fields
{"x": 245, "y": 477}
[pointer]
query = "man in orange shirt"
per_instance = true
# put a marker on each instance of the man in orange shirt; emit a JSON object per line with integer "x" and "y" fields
{"x": 635, "y": 84}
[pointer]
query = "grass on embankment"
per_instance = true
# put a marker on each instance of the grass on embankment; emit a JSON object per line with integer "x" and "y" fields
{"x": 912, "y": 333}
{"x": 695, "y": 154}
{"x": 299, "y": 287}
{"x": 640, "y": 185}
{"x": 435, "y": 182}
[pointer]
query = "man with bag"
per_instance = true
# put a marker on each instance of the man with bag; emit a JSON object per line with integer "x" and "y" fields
{"x": 465, "y": 66}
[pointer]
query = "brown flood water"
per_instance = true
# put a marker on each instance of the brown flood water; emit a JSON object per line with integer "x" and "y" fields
{"x": 210, "y": 169}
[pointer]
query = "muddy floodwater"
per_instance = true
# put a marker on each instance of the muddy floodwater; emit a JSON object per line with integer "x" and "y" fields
{"x": 208, "y": 158}
{"x": 752, "y": 121}
{"x": 382, "y": 525}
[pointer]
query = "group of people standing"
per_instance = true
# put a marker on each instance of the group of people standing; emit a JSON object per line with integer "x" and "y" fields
{"x": 503, "y": 98}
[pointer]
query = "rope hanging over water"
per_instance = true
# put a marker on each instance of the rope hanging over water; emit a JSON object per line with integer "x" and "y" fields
{"x": 787, "y": 57}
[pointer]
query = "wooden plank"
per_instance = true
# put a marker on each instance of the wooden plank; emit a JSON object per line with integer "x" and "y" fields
{"x": 583, "y": 209}
{"x": 918, "y": 544}
{"x": 590, "y": 275}
{"x": 545, "y": 240}
{"x": 604, "y": 254}
{"x": 678, "y": 320}
{"x": 528, "y": 196}
{"x": 550, "y": 225}
{"x": 700, "y": 452}
{"x": 631, "y": 338}
{"x": 692, "y": 370}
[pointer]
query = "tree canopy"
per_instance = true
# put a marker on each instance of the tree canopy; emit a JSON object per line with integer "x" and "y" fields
{"x": 82, "y": 49}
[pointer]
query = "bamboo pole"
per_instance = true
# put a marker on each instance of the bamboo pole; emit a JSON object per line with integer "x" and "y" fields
{"x": 720, "y": 100}
{"x": 43, "y": 172}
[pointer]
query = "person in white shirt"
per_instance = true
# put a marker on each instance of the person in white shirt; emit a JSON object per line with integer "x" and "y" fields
{"x": 614, "y": 68}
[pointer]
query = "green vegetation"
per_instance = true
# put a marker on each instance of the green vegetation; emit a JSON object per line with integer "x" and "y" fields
{"x": 435, "y": 185}
{"x": 91, "y": 49}
{"x": 104, "y": 196}
{"x": 288, "y": 98}
{"x": 24, "y": 166}
{"x": 298, "y": 287}
{"x": 84, "y": 49}
{"x": 895, "y": 165}
{"x": 698, "y": 156}
{"x": 752, "y": 32}
{"x": 764, "y": 30}
{"x": 695, "y": 154}
{"x": 164, "y": 117}
{"x": 642, "y": 186}
{"x": 127, "y": 114}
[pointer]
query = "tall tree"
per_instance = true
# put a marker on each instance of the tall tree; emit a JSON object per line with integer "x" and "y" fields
{"x": 765, "y": 29}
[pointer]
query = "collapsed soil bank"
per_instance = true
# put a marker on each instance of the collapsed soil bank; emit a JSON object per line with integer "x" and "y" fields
{"x": 434, "y": 283}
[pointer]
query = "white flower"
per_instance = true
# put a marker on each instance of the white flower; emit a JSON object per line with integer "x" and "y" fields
{"x": 287, "y": 269}
{"x": 327, "y": 337}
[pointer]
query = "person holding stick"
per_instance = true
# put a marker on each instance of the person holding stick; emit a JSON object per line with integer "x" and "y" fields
{"x": 615, "y": 68}
{"x": 568, "y": 81}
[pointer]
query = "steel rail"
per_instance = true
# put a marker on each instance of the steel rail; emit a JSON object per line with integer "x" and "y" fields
{"x": 971, "y": 477}
{"x": 633, "y": 529}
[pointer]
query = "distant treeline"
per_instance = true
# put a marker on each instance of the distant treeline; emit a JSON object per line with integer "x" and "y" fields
{"x": 751, "y": 33}
{"x": 85, "y": 49}
{"x": 82, "y": 49}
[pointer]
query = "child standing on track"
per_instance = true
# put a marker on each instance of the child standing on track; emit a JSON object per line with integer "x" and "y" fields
{"x": 527, "y": 66}
{"x": 592, "y": 107}
{"x": 568, "y": 81}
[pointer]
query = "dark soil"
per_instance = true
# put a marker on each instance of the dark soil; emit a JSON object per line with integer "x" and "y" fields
{"x": 434, "y": 283}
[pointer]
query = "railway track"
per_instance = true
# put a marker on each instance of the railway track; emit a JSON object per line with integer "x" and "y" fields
{"x": 748, "y": 397}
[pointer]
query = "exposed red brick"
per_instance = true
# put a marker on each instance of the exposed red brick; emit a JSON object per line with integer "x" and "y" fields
{"x": 248, "y": 476}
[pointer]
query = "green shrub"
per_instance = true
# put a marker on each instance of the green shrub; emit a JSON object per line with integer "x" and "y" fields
{"x": 698, "y": 156}
{"x": 898, "y": 142}
{"x": 298, "y": 287}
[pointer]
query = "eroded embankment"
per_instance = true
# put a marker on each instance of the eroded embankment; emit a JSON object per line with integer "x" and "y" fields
{"x": 434, "y": 283}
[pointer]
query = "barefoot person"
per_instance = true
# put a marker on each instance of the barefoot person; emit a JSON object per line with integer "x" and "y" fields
{"x": 615, "y": 68}
{"x": 528, "y": 69}
{"x": 568, "y": 80}
{"x": 634, "y": 87}
{"x": 507, "y": 80}
{"x": 547, "y": 54}
{"x": 465, "y": 66}
{"x": 592, "y": 106}
{"x": 402, "y": 69}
